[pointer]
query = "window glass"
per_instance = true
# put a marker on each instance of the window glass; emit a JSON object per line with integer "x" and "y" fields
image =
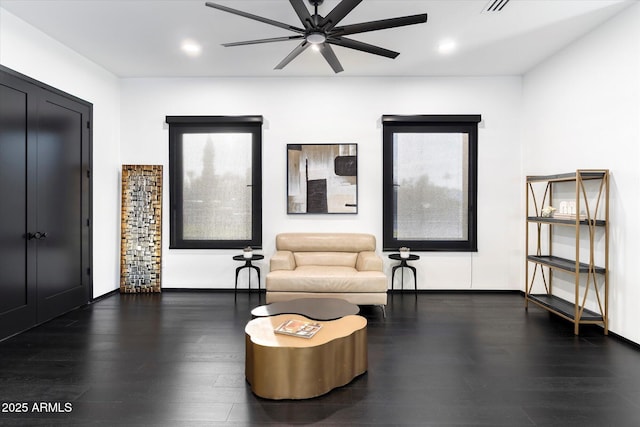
{"x": 431, "y": 190}
{"x": 216, "y": 186}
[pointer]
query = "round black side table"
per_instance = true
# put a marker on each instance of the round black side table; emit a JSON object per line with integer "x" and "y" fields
{"x": 247, "y": 264}
{"x": 402, "y": 265}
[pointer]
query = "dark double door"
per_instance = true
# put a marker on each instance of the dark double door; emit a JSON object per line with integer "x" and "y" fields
{"x": 45, "y": 202}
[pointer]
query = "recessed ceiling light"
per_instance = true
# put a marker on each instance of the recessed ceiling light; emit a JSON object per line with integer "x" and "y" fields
{"x": 191, "y": 48}
{"x": 447, "y": 46}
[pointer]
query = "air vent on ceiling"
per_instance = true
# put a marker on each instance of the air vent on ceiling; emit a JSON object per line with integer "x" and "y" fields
{"x": 495, "y": 5}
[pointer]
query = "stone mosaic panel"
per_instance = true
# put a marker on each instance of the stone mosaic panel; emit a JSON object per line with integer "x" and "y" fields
{"x": 141, "y": 229}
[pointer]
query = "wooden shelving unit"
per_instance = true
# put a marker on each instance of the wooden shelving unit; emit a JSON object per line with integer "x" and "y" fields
{"x": 590, "y": 222}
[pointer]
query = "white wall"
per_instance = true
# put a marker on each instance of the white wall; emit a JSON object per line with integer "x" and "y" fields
{"x": 582, "y": 110}
{"x": 32, "y": 53}
{"x": 342, "y": 110}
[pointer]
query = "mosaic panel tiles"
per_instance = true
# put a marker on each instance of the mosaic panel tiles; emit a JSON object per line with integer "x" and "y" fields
{"x": 141, "y": 229}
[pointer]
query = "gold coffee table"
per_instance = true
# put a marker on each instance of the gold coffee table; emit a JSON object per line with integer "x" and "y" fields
{"x": 285, "y": 367}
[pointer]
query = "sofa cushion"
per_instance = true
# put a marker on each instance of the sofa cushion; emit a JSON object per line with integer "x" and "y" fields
{"x": 325, "y": 242}
{"x": 342, "y": 259}
{"x": 313, "y": 278}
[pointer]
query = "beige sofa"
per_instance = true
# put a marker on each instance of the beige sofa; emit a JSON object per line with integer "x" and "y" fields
{"x": 329, "y": 265}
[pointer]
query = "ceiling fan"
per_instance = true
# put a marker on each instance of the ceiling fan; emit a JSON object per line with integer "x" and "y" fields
{"x": 322, "y": 31}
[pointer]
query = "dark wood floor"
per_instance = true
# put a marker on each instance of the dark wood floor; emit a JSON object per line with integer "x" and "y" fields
{"x": 438, "y": 359}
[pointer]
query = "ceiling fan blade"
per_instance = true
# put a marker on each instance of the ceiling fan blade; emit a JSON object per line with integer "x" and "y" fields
{"x": 255, "y": 17}
{"x": 380, "y": 25}
{"x": 302, "y": 12}
{"x": 273, "y": 39}
{"x": 331, "y": 57}
{"x": 294, "y": 53}
{"x": 361, "y": 46}
{"x": 338, "y": 13}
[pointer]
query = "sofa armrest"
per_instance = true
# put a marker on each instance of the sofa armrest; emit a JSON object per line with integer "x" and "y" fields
{"x": 282, "y": 260}
{"x": 368, "y": 261}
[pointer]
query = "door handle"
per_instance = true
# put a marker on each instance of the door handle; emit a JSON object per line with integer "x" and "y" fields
{"x": 37, "y": 235}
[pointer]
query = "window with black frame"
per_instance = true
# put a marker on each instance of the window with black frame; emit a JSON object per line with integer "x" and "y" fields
{"x": 430, "y": 165}
{"x": 215, "y": 182}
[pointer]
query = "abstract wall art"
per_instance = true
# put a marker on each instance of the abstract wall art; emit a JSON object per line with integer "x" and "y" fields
{"x": 322, "y": 178}
{"x": 141, "y": 229}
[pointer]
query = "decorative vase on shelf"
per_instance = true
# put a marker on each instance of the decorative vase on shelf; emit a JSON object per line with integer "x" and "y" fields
{"x": 404, "y": 252}
{"x": 247, "y": 252}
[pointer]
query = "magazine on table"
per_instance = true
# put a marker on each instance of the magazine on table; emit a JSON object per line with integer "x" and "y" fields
{"x": 298, "y": 328}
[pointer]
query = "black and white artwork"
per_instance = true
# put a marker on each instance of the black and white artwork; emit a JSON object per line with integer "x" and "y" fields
{"x": 322, "y": 178}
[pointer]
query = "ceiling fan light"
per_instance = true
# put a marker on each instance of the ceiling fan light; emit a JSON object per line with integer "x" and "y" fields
{"x": 316, "y": 37}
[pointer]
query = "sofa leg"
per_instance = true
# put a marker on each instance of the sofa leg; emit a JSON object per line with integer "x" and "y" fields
{"x": 384, "y": 311}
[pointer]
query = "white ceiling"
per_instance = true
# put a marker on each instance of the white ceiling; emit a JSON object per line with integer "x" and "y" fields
{"x": 141, "y": 38}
